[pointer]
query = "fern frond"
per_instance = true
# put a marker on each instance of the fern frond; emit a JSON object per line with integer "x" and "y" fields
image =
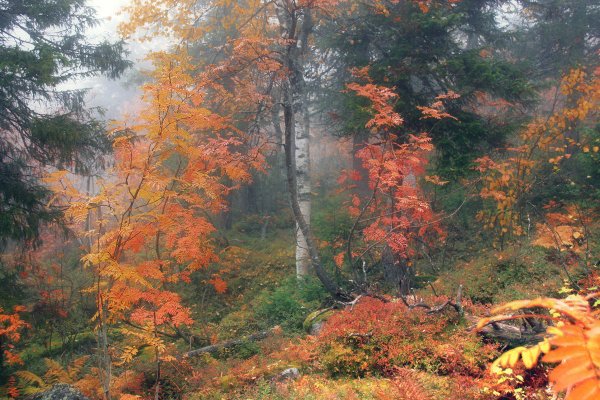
{"x": 76, "y": 367}
{"x": 30, "y": 383}
{"x": 56, "y": 373}
{"x": 574, "y": 342}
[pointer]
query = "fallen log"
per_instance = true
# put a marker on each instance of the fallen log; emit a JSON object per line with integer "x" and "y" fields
{"x": 509, "y": 334}
{"x": 499, "y": 332}
{"x": 215, "y": 348}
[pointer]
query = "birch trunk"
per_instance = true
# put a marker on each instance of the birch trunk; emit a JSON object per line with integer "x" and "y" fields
{"x": 297, "y": 25}
{"x": 293, "y": 97}
{"x": 303, "y": 186}
{"x": 290, "y": 162}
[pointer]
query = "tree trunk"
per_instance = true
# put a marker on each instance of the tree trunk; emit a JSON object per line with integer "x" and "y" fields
{"x": 297, "y": 130}
{"x": 105, "y": 362}
{"x": 290, "y": 162}
{"x": 293, "y": 90}
{"x": 301, "y": 125}
{"x": 215, "y": 348}
{"x": 359, "y": 140}
{"x": 303, "y": 184}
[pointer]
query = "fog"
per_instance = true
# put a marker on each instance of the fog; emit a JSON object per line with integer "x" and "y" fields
{"x": 118, "y": 98}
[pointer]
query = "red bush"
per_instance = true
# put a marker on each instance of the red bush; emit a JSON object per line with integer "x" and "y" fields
{"x": 377, "y": 338}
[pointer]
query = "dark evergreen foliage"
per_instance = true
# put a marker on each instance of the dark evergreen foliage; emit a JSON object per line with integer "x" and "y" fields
{"x": 423, "y": 55}
{"x": 42, "y": 45}
{"x": 555, "y": 35}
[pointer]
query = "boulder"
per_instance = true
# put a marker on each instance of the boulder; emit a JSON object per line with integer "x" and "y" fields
{"x": 60, "y": 391}
{"x": 290, "y": 373}
{"x": 315, "y": 321}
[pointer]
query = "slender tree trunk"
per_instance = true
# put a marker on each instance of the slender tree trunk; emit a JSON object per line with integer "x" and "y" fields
{"x": 158, "y": 370}
{"x": 105, "y": 362}
{"x": 290, "y": 162}
{"x": 303, "y": 184}
{"x": 293, "y": 90}
{"x": 104, "y": 356}
{"x": 406, "y": 272}
{"x": 359, "y": 140}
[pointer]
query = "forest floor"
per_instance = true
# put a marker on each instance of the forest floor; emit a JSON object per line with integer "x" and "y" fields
{"x": 434, "y": 356}
{"x": 367, "y": 350}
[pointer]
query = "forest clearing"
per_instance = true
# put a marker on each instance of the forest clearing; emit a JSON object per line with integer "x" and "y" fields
{"x": 300, "y": 199}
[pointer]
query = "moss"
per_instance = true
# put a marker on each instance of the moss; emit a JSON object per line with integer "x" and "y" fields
{"x": 316, "y": 317}
{"x": 288, "y": 305}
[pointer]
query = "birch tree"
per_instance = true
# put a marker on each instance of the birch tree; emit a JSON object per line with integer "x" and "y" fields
{"x": 299, "y": 19}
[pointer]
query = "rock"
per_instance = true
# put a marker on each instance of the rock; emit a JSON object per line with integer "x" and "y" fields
{"x": 290, "y": 373}
{"x": 315, "y": 321}
{"x": 316, "y": 327}
{"x": 60, "y": 391}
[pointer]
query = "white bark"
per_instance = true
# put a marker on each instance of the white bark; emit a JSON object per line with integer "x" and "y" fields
{"x": 297, "y": 24}
{"x": 303, "y": 185}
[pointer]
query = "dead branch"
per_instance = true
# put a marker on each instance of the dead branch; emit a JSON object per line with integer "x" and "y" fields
{"x": 457, "y": 304}
{"x": 352, "y": 303}
{"x": 367, "y": 335}
{"x": 500, "y": 332}
{"x": 215, "y": 348}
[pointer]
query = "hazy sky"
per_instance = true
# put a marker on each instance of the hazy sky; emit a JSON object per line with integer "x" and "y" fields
{"x": 107, "y": 13}
{"x": 116, "y": 97}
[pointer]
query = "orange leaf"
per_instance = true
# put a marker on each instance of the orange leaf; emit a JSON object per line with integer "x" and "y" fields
{"x": 572, "y": 372}
{"x": 588, "y": 390}
{"x": 565, "y": 353}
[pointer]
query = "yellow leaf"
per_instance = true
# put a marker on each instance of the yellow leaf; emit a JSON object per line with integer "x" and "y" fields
{"x": 530, "y": 356}
{"x": 545, "y": 346}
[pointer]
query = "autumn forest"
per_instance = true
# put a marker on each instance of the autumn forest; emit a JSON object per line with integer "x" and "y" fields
{"x": 300, "y": 199}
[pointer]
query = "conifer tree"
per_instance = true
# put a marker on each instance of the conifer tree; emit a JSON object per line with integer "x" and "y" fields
{"x": 43, "y": 45}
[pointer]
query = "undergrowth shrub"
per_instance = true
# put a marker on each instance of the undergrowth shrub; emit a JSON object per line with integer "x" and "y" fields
{"x": 236, "y": 324}
{"x": 289, "y": 304}
{"x": 318, "y": 387}
{"x": 492, "y": 276}
{"x": 377, "y": 338}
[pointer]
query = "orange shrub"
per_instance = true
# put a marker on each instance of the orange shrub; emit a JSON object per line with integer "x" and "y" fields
{"x": 378, "y": 338}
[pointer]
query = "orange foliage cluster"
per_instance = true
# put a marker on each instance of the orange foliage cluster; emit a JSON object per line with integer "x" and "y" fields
{"x": 375, "y": 337}
{"x": 574, "y": 342}
{"x": 565, "y": 228}
{"x": 11, "y": 326}
{"x": 380, "y": 97}
{"x": 402, "y": 212}
{"x": 148, "y": 225}
{"x": 545, "y": 140}
{"x": 437, "y": 109}
{"x": 396, "y": 210}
